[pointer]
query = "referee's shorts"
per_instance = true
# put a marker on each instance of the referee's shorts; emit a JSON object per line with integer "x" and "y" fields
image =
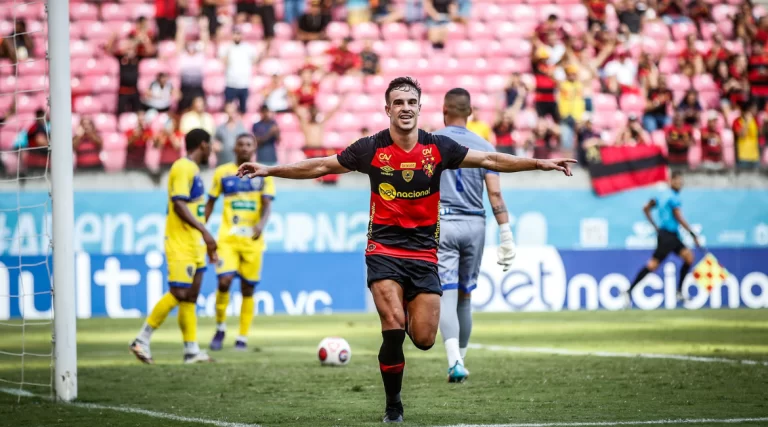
{"x": 667, "y": 243}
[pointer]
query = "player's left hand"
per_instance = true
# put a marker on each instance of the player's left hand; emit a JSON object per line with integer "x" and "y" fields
{"x": 562, "y": 165}
{"x": 251, "y": 170}
{"x": 257, "y": 230}
{"x": 507, "y": 249}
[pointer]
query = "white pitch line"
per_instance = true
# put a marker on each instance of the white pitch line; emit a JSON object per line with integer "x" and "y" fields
{"x": 129, "y": 410}
{"x": 566, "y": 352}
{"x": 624, "y": 423}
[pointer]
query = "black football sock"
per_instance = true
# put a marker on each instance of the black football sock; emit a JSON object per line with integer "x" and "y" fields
{"x": 392, "y": 363}
{"x": 684, "y": 269}
{"x": 639, "y": 277}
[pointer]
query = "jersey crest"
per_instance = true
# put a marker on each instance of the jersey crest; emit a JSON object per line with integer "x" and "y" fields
{"x": 407, "y": 175}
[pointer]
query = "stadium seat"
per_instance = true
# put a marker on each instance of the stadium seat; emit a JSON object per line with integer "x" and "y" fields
{"x": 656, "y": 30}
{"x": 394, "y": 31}
{"x": 287, "y": 122}
{"x": 29, "y": 11}
{"x": 631, "y": 103}
{"x": 495, "y": 83}
{"x": 604, "y": 103}
{"x": 375, "y": 84}
{"x": 526, "y": 120}
{"x": 729, "y": 154}
{"x": 418, "y": 31}
{"x": 722, "y": 12}
{"x": 677, "y": 82}
{"x": 87, "y": 105}
{"x": 546, "y": 8}
{"x": 456, "y": 32}
{"x": 337, "y": 30}
{"x": 490, "y": 12}
{"x": 704, "y": 82}
{"x": 576, "y": 13}
{"x": 83, "y": 12}
{"x": 479, "y": 31}
{"x": 366, "y": 31}
{"x": 682, "y": 30}
{"x": 283, "y": 31}
{"x": 29, "y": 103}
{"x": 317, "y": 47}
{"x": 521, "y": 13}
{"x": 81, "y": 49}
{"x": 288, "y": 49}
{"x": 214, "y": 85}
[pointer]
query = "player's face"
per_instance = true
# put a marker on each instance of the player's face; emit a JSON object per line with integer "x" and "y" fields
{"x": 244, "y": 149}
{"x": 403, "y": 109}
{"x": 677, "y": 183}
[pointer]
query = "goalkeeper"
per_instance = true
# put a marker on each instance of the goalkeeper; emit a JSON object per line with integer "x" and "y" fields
{"x": 462, "y": 228}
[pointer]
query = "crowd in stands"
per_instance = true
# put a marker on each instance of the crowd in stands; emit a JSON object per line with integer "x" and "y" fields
{"x": 307, "y": 77}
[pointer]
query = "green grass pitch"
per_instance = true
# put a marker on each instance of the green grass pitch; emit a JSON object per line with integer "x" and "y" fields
{"x": 279, "y": 381}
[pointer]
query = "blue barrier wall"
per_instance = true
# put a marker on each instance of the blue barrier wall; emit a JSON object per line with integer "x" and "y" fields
{"x": 332, "y": 220}
{"x": 542, "y": 279}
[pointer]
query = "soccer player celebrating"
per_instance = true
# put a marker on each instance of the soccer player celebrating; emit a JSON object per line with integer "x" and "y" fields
{"x": 668, "y": 237}
{"x": 462, "y": 236}
{"x": 247, "y": 203}
{"x": 404, "y": 165}
{"x": 186, "y": 242}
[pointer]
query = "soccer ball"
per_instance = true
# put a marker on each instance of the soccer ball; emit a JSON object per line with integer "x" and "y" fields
{"x": 334, "y": 351}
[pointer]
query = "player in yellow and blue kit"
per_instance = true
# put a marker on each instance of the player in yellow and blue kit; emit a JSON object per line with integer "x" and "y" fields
{"x": 186, "y": 243}
{"x": 247, "y": 203}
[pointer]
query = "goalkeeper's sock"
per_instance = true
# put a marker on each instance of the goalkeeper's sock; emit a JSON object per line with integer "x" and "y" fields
{"x": 222, "y": 301}
{"x": 246, "y": 315}
{"x": 156, "y": 318}
{"x": 464, "y": 311}
{"x": 188, "y": 324}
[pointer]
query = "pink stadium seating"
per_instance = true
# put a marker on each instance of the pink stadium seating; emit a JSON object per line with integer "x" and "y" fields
{"x": 87, "y": 105}
{"x": 682, "y": 30}
{"x": 337, "y": 30}
{"x": 479, "y": 31}
{"x": 729, "y": 155}
{"x": 604, "y": 103}
{"x": 678, "y": 82}
{"x": 366, "y": 31}
{"x": 394, "y": 31}
{"x": 83, "y": 12}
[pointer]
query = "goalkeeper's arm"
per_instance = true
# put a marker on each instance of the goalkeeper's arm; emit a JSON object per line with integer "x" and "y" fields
{"x": 507, "y": 250}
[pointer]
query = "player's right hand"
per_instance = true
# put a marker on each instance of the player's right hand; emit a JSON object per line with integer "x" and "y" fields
{"x": 210, "y": 247}
{"x": 562, "y": 165}
{"x": 507, "y": 249}
{"x": 251, "y": 170}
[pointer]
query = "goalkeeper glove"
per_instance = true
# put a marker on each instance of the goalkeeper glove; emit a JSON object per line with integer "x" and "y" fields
{"x": 507, "y": 249}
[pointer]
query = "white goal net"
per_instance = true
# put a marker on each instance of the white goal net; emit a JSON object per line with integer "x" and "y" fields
{"x": 27, "y": 329}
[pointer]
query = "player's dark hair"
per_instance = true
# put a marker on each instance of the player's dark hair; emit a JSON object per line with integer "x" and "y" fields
{"x": 246, "y": 135}
{"x": 676, "y": 174}
{"x": 403, "y": 83}
{"x": 196, "y": 138}
{"x": 458, "y": 103}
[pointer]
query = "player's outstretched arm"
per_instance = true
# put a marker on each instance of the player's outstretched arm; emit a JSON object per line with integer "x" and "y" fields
{"x": 305, "y": 169}
{"x": 506, "y": 163}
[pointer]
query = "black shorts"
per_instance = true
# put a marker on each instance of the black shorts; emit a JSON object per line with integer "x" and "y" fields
{"x": 667, "y": 243}
{"x": 248, "y": 8}
{"x": 414, "y": 276}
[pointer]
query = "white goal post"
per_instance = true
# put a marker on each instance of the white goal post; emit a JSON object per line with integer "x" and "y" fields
{"x": 62, "y": 196}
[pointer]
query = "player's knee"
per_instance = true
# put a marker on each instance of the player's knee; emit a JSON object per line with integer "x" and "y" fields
{"x": 392, "y": 320}
{"x": 247, "y": 290}
{"x": 183, "y": 294}
{"x": 224, "y": 283}
{"x": 424, "y": 343}
{"x": 653, "y": 264}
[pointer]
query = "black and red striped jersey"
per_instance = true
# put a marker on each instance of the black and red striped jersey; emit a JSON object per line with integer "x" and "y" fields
{"x": 405, "y": 191}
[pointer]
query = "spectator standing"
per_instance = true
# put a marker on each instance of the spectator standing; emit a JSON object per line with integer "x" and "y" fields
{"x": 700, "y": 12}
{"x": 197, "y": 118}
{"x": 502, "y": 132}
{"x": 169, "y": 141}
{"x": 711, "y": 144}
{"x": 757, "y": 71}
{"x": 633, "y": 133}
{"x": 37, "y": 142}
{"x": 144, "y": 38}
{"x": 679, "y": 137}
{"x": 716, "y": 54}
{"x": 304, "y": 95}
{"x": 312, "y": 23}
{"x": 293, "y": 10}
{"x": 139, "y": 138}
{"x": 672, "y": 11}
{"x": 313, "y": 126}
{"x": 440, "y": 13}
{"x": 656, "y": 106}
{"x": 571, "y": 104}
{"x": 746, "y": 129}
{"x": 630, "y": 14}
{"x": 342, "y": 59}
{"x": 623, "y": 67}
{"x": 691, "y": 61}
{"x": 596, "y": 12}
{"x": 238, "y": 59}
{"x": 166, "y": 13}
{"x": 544, "y": 93}
{"x": 384, "y": 12}
{"x": 479, "y": 127}
{"x": 227, "y": 133}
{"x": 267, "y": 135}
{"x": 587, "y": 139}
{"x": 128, "y": 98}
{"x": 159, "y": 96}
{"x": 733, "y": 88}
{"x": 191, "y": 62}
{"x": 18, "y": 45}
{"x": 369, "y": 60}
{"x": 690, "y": 108}
{"x": 515, "y": 89}
{"x": 276, "y": 96}
{"x": 265, "y": 9}
{"x": 87, "y": 145}
{"x": 209, "y": 11}
{"x": 545, "y": 137}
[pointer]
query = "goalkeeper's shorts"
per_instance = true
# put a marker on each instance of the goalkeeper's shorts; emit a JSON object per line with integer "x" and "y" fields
{"x": 462, "y": 240}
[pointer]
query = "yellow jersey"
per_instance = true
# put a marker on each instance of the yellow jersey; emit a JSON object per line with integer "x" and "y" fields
{"x": 480, "y": 128}
{"x": 571, "y": 100}
{"x": 242, "y": 203}
{"x": 184, "y": 183}
{"x": 747, "y": 146}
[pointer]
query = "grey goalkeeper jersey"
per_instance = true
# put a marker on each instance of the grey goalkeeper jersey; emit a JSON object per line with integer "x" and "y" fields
{"x": 461, "y": 190}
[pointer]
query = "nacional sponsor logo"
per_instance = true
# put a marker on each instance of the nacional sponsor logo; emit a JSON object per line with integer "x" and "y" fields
{"x": 413, "y": 194}
{"x": 407, "y": 175}
{"x": 244, "y": 205}
{"x": 387, "y": 191}
{"x": 387, "y": 170}
{"x": 410, "y": 165}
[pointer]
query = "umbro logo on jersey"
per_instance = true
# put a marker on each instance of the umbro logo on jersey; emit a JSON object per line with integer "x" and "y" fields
{"x": 387, "y": 170}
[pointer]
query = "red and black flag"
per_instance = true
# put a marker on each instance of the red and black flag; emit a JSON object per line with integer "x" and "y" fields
{"x": 615, "y": 169}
